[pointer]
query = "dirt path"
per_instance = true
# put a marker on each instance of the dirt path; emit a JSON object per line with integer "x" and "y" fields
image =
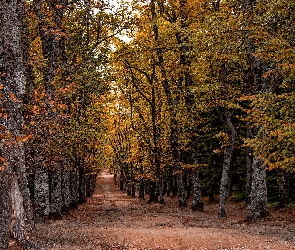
{"x": 111, "y": 220}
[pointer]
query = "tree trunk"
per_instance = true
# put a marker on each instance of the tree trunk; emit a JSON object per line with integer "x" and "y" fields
{"x": 198, "y": 204}
{"x": 74, "y": 188}
{"x": 249, "y": 172}
{"x": 141, "y": 189}
{"x": 66, "y": 191}
{"x": 180, "y": 190}
{"x": 260, "y": 84}
{"x": 55, "y": 194}
{"x": 258, "y": 205}
{"x": 172, "y": 104}
{"x": 82, "y": 185}
{"x": 284, "y": 189}
{"x": 54, "y": 53}
{"x": 5, "y": 205}
{"x": 152, "y": 192}
{"x": 88, "y": 184}
{"x": 161, "y": 190}
{"x": 226, "y": 170}
{"x": 41, "y": 192}
{"x": 16, "y": 218}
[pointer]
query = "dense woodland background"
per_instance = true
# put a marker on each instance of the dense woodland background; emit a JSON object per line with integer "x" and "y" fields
{"x": 176, "y": 97}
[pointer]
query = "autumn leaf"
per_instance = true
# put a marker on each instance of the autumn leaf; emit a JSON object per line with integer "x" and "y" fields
{"x": 58, "y": 6}
{"x": 12, "y": 96}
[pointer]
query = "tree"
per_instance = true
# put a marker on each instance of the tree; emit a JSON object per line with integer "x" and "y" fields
{"x": 264, "y": 80}
{"x": 16, "y": 216}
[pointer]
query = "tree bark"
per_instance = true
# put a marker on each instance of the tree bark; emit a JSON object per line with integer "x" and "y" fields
{"x": 260, "y": 84}
{"x": 258, "y": 206}
{"x": 55, "y": 194}
{"x": 74, "y": 188}
{"x": 54, "y": 52}
{"x": 226, "y": 172}
{"x": 284, "y": 189}
{"x": 197, "y": 204}
{"x": 41, "y": 192}
{"x": 66, "y": 190}
{"x": 228, "y": 151}
{"x": 16, "y": 218}
{"x": 82, "y": 185}
{"x": 249, "y": 172}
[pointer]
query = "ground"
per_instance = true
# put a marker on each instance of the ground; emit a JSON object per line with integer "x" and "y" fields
{"x": 112, "y": 220}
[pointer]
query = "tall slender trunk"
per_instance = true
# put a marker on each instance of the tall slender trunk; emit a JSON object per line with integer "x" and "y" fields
{"x": 16, "y": 218}
{"x": 226, "y": 169}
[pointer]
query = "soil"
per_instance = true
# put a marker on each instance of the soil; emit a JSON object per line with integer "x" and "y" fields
{"x": 112, "y": 220}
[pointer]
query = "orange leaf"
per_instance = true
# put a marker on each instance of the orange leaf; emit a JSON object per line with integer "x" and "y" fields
{"x": 62, "y": 106}
{"x": 18, "y": 138}
{"x": 29, "y": 137}
{"x": 12, "y": 96}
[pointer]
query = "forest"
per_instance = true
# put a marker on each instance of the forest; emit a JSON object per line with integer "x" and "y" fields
{"x": 192, "y": 99}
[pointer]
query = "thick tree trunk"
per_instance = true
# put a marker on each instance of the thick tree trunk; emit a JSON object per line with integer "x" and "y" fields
{"x": 16, "y": 218}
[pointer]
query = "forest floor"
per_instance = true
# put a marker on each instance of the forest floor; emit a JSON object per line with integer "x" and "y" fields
{"x": 112, "y": 220}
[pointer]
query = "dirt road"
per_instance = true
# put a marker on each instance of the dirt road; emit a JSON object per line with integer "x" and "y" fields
{"x": 112, "y": 220}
